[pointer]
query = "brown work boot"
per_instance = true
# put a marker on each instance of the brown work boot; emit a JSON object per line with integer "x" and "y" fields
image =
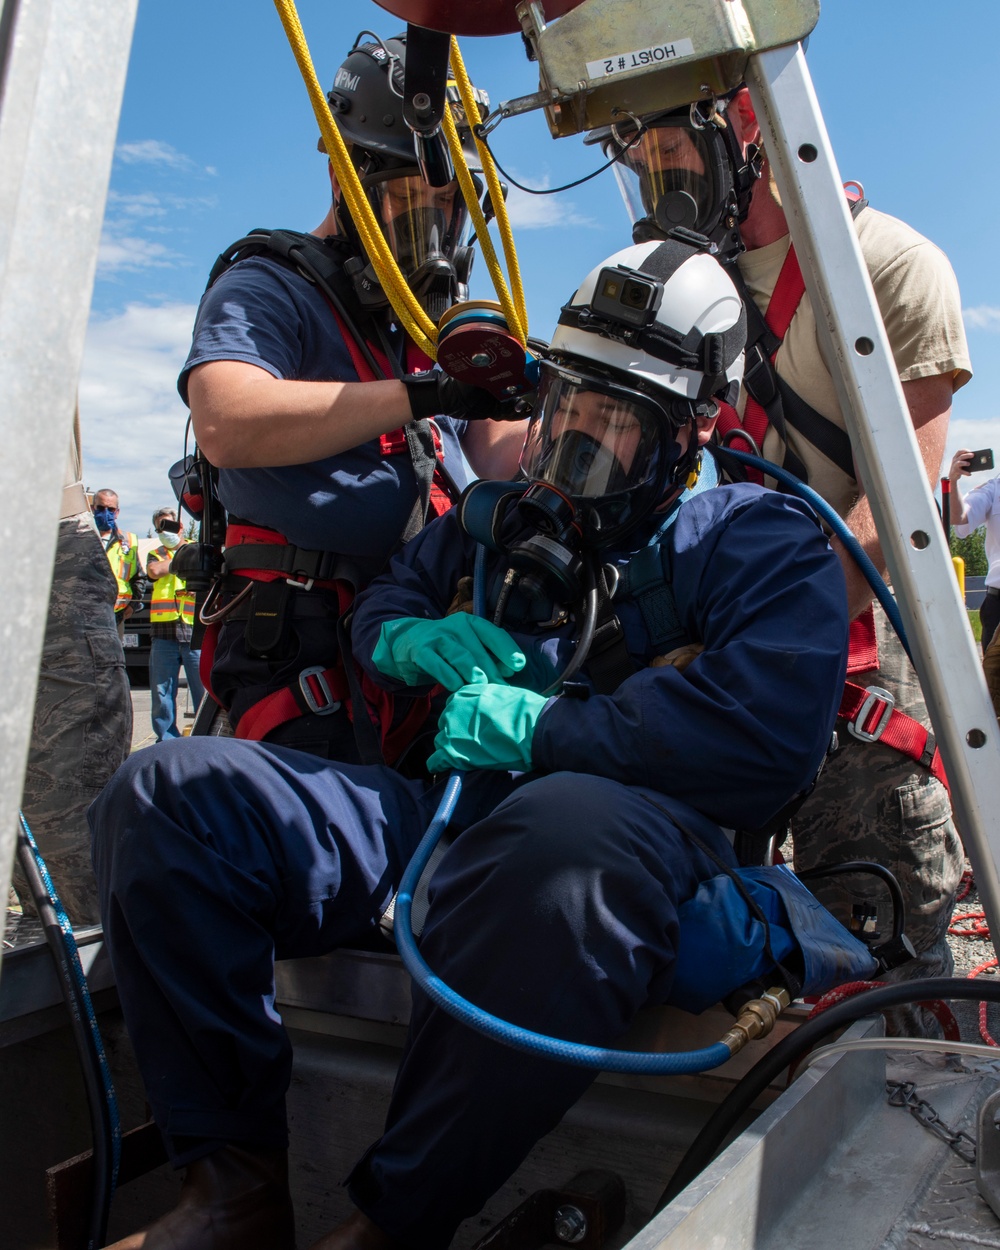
{"x": 356, "y": 1233}
{"x": 233, "y": 1199}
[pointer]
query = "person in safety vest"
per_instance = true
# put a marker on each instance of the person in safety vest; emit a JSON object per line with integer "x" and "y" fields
{"x": 122, "y": 551}
{"x": 171, "y": 618}
{"x": 874, "y": 801}
{"x": 334, "y": 438}
{"x": 606, "y": 741}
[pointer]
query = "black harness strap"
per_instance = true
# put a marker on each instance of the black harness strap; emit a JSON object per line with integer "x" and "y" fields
{"x": 608, "y": 661}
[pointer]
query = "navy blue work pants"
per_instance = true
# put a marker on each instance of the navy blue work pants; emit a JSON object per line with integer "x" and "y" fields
{"x": 556, "y": 910}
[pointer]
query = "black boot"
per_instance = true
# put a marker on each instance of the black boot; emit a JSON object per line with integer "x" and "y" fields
{"x": 233, "y": 1199}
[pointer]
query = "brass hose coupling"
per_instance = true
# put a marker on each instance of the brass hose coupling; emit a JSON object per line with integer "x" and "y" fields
{"x": 756, "y": 1019}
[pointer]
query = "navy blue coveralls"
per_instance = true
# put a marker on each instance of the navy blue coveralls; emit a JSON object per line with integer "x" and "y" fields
{"x": 556, "y": 907}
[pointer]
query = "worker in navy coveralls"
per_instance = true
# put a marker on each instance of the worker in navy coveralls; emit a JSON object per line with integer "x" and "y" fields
{"x": 705, "y": 702}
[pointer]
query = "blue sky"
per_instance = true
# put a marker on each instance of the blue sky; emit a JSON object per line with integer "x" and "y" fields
{"x": 217, "y": 136}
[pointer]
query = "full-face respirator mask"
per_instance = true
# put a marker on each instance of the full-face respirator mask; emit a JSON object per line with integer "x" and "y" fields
{"x": 683, "y": 169}
{"x": 425, "y": 226}
{"x": 643, "y": 350}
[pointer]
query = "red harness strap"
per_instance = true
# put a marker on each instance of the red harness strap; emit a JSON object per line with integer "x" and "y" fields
{"x": 394, "y": 443}
{"x": 871, "y": 716}
{"x": 318, "y": 690}
{"x": 870, "y": 711}
{"x": 785, "y": 299}
{"x": 323, "y": 691}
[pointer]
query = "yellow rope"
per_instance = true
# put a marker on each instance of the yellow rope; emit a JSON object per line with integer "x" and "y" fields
{"x": 411, "y": 315}
{"x": 468, "y": 188}
{"x": 496, "y": 196}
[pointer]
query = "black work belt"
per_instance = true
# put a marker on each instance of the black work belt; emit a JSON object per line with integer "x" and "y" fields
{"x": 993, "y": 590}
{"x": 293, "y": 562}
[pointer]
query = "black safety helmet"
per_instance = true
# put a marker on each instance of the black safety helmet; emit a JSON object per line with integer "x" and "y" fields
{"x": 366, "y": 101}
{"x": 662, "y": 193}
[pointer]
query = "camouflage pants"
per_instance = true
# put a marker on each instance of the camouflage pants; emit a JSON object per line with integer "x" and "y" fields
{"x": 991, "y": 667}
{"x": 82, "y": 729}
{"x": 874, "y": 803}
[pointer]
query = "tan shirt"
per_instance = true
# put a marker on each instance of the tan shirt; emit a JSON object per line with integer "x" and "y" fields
{"x": 918, "y": 297}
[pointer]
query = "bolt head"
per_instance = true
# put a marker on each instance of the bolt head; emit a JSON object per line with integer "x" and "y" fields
{"x": 569, "y": 1225}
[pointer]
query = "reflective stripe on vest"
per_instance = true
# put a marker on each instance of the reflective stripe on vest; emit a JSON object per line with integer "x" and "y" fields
{"x": 123, "y": 558}
{"x": 170, "y": 600}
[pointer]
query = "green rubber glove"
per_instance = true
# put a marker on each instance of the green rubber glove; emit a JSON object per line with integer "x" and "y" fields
{"x": 487, "y": 727}
{"x": 455, "y": 651}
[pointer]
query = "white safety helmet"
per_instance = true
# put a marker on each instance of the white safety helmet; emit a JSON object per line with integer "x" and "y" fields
{"x": 652, "y": 340}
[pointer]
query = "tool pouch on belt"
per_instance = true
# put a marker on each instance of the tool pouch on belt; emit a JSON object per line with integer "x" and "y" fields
{"x": 266, "y": 631}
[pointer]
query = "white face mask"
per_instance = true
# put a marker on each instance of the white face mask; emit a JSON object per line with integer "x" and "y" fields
{"x": 169, "y": 539}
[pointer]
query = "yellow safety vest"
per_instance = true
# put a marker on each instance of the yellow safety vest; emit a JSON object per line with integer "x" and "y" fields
{"x": 171, "y": 601}
{"x": 123, "y": 556}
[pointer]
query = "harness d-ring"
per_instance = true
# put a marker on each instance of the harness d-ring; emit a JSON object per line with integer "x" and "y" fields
{"x": 212, "y": 618}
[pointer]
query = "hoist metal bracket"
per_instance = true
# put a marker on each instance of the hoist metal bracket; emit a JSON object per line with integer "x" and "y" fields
{"x": 605, "y": 57}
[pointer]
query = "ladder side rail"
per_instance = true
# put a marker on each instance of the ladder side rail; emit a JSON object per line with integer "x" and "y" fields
{"x": 63, "y": 68}
{"x": 892, "y": 471}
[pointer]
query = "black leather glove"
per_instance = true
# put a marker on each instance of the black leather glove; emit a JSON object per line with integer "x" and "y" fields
{"x": 438, "y": 394}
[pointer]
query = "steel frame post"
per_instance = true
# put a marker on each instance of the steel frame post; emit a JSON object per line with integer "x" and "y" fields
{"x": 853, "y": 337}
{"x": 62, "y": 73}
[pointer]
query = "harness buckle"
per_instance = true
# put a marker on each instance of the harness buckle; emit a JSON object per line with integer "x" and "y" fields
{"x": 329, "y": 704}
{"x": 300, "y": 585}
{"x": 875, "y": 695}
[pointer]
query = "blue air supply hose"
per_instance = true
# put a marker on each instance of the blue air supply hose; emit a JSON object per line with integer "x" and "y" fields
{"x": 102, "y": 1103}
{"x": 576, "y": 1054}
{"x": 874, "y": 579}
{"x": 500, "y": 1030}
{"x": 491, "y": 1026}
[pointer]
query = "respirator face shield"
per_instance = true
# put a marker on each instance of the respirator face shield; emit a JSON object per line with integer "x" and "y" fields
{"x": 676, "y": 173}
{"x": 424, "y": 227}
{"x": 610, "y": 449}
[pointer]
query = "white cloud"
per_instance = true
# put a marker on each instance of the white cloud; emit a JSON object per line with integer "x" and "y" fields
{"x": 132, "y": 417}
{"x": 984, "y": 317}
{"x": 128, "y": 254}
{"x": 144, "y": 205}
{"x": 152, "y": 152}
{"x": 541, "y": 212}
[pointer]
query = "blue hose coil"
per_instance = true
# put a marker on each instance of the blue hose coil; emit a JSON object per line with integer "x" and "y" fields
{"x": 498, "y": 1030}
{"x": 574, "y": 1053}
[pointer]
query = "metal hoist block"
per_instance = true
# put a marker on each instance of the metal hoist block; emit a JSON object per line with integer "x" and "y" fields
{"x": 604, "y": 57}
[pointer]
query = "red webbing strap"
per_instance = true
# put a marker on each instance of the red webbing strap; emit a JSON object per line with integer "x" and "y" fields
{"x": 785, "y": 298}
{"x": 863, "y": 644}
{"x": 393, "y": 443}
{"x": 901, "y": 732}
{"x": 289, "y": 703}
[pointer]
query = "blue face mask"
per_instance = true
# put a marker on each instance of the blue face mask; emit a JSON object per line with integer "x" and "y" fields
{"x": 105, "y": 518}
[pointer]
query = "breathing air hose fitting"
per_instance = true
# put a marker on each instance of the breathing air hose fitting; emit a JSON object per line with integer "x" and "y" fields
{"x": 756, "y": 1019}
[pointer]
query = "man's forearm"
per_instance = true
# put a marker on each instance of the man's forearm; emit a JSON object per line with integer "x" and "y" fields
{"x": 245, "y": 418}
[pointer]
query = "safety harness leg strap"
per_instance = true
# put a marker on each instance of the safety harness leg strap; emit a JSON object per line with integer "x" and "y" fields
{"x": 319, "y": 690}
{"x": 872, "y": 716}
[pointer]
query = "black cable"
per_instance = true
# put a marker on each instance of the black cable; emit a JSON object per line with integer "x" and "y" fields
{"x": 872, "y": 870}
{"x": 720, "y": 1124}
{"x": 587, "y": 631}
{"x": 101, "y": 1103}
{"x": 480, "y": 133}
